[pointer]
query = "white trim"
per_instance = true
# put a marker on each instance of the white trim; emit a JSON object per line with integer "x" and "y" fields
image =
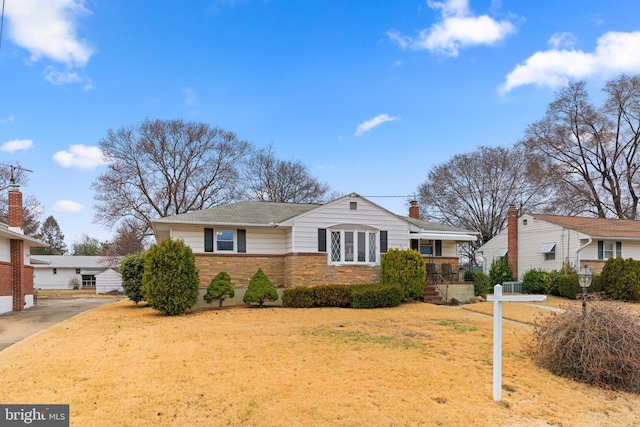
{"x": 442, "y": 236}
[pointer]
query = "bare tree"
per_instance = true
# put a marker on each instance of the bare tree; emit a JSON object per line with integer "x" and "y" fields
{"x": 475, "y": 190}
{"x": 273, "y": 180}
{"x": 32, "y": 208}
{"x": 160, "y": 168}
{"x": 593, "y": 151}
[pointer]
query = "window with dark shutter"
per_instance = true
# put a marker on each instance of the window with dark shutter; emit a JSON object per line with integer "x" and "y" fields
{"x": 438, "y": 247}
{"x": 414, "y": 245}
{"x": 618, "y": 249}
{"x": 600, "y": 249}
{"x": 322, "y": 240}
{"x": 208, "y": 239}
{"x": 242, "y": 241}
{"x": 384, "y": 244}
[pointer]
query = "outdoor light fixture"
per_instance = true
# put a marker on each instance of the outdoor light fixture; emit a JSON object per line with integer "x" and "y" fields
{"x": 584, "y": 278}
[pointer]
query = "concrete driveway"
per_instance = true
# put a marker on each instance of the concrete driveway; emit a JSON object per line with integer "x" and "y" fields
{"x": 18, "y": 325}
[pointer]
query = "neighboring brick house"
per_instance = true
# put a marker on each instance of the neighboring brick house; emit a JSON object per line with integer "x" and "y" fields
{"x": 544, "y": 242}
{"x": 340, "y": 242}
{"x": 16, "y": 273}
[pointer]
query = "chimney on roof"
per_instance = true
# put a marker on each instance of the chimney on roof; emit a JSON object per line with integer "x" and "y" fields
{"x": 414, "y": 210}
{"x": 16, "y": 219}
{"x": 512, "y": 240}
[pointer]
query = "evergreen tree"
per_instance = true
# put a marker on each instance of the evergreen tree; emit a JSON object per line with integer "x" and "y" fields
{"x": 51, "y": 234}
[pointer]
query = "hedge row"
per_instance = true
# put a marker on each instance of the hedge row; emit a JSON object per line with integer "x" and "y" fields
{"x": 354, "y": 296}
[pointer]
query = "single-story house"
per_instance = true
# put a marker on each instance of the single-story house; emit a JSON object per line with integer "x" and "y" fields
{"x": 67, "y": 272}
{"x": 540, "y": 241}
{"x": 339, "y": 242}
{"x": 16, "y": 273}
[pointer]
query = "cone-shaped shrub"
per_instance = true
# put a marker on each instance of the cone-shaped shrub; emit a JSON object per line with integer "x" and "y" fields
{"x": 404, "y": 267}
{"x": 170, "y": 279}
{"x": 131, "y": 270}
{"x": 260, "y": 290}
{"x": 219, "y": 289}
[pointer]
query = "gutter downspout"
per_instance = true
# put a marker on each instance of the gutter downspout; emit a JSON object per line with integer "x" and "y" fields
{"x": 578, "y": 253}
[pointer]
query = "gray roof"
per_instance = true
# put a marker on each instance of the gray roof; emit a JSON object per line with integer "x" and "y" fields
{"x": 68, "y": 261}
{"x": 425, "y": 225}
{"x": 252, "y": 212}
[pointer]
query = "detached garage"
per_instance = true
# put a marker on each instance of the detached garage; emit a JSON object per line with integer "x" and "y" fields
{"x": 108, "y": 281}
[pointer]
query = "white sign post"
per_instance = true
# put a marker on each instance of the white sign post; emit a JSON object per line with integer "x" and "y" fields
{"x": 498, "y": 299}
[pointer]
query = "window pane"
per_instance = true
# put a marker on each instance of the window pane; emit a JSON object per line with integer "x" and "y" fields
{"x": 608, "y": 250}
{"x": 225, "y": 240}
{"x": 372, "y": 247}
{"x": 348, "y": 246}
{"x": 335, "y": 246}
{"x": 362, "y": 247}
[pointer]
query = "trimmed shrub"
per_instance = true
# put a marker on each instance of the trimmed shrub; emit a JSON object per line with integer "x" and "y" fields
{"x": 500, "y": 271}
{"x": 406, "y": 268}
{"x": 538, "y": 281}
{"x": 574, "y": 346}
{"x": 170, "y": 279}
{"x": 260, "y": 290}
{"x": 376, "y": 295}
{"x": 568, "y": 283}
{"x": 332, "y": 296}
{"x": 482, "y": 284}
{"x": 298, "y": 297}
{"x": 219, "y": 289}
{"x": 131, "y": 270}
{"x": 620, "y": 279}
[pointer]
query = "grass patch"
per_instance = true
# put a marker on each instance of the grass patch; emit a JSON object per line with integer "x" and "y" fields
{"x": 358, "y": 337}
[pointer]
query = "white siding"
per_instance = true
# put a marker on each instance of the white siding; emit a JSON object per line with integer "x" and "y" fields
{"x": 490, "y": 248}
{"x": 630, "y": 249}
{"x": 45, "y": 279}
{"x": 192, "y": 236}
{"x": 108, "y": 280}
{"x": 5, "y": 250}
{"x": 305, "y": 228}
{"x": 259, "y": 240}
{"x": 6, "y": 304}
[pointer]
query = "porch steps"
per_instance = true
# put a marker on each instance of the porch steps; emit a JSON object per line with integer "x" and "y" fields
{"x": 431, "y": 295}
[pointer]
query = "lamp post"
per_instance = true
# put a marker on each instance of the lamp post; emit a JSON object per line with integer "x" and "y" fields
{"x": 584, "y": 278}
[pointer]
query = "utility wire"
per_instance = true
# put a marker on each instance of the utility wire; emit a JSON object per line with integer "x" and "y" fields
{"x": 1, "y": 23}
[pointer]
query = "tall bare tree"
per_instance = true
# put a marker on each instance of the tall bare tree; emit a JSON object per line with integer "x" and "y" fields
{"x": 593, "y": 151}
{"x": 159, "y": 168}
{"x": 32, "y": 208}
{"x": 270, "y": 179}
{"x": 474, "y": 190}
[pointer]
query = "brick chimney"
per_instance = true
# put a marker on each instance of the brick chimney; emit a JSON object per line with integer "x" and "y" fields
{"x": 414, "y": 210}
{"x": 16, "y": 220}
{"x": 512, "y": 240}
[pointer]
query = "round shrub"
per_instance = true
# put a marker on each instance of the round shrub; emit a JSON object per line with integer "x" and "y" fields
{"x": 298, "y": 297}
{"x": 620, "y": 279}
{"x": 260, "y": 290}
{"x": 219, "y": 289}
{"x": 406, "y": 268}
{"x": 573, "y": 346}
{"x": 538, "y": 281}
{"x": 170, "y": 279}
{"x": 131, "y": 270}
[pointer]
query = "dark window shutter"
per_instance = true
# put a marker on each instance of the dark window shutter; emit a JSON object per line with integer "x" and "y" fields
{"x": 208, "y": 239}
{"x": 384, "y": 244}
{"x": 618, "y": 249}
{"x": 438, "y": 247}
{"x": 600, "y": 249}
{"x": 414, "y": 244}
{"x": 322, "y": 240}
{"x": 242, "y": 241}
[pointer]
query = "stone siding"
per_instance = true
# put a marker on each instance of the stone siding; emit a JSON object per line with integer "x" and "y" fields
{"x": 240, "y": 267}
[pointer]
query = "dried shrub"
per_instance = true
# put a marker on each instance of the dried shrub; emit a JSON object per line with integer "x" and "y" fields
{"x": 601, "y": 348}
{"x": 332, "y": 296}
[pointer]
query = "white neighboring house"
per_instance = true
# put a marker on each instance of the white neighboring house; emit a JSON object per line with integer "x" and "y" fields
{"x": 540, "y": 241}
{"x": 63, "y": 272}
{"x": 108, "y": 281}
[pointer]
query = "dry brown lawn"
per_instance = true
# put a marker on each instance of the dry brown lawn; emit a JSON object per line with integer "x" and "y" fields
{"x": 417, "y": 364}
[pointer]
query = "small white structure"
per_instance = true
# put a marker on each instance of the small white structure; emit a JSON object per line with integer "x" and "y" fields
{"x": 108, "y": 281}
{"x": 65, "y": 272}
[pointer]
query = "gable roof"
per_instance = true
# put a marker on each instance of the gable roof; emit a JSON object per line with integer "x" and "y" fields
{"x": 596, "y": 227}
{"x": 245, "y": 213}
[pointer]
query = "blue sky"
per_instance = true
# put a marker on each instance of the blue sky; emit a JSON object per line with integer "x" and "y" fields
{"x": 369, "y": 94}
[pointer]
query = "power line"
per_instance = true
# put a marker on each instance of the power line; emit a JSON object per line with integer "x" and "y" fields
{"x": 1, "y": 23}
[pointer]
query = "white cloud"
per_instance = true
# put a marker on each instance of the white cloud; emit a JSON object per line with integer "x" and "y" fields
{"x": 458, "y": 28}
{"x": 615, "y": 53}
{"x": 67, "y": 206}
{"x": 190, "y": 96}
{"x": 16, "y": 145}
{"x": 8, "y": 119}
{"x": 559, "y": 40}
{"x": 80, "y": 156}
{"x": 371, "y": 123}
{"x": 66, "y": 77}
